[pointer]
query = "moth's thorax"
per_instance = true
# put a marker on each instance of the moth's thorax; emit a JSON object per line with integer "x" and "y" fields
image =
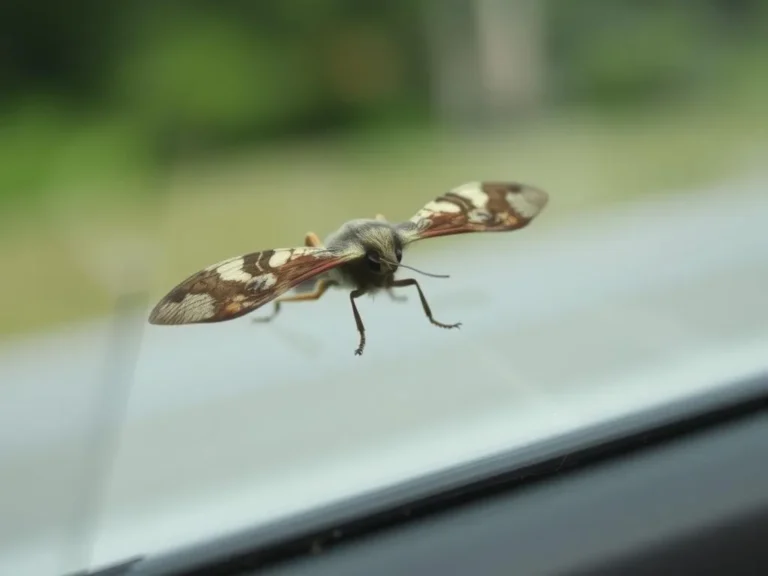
{"x": 364, "y": 231}
{"x": 365, "y": 236}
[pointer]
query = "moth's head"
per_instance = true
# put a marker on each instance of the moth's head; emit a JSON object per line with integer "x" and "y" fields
{"x": 382, "y": 248}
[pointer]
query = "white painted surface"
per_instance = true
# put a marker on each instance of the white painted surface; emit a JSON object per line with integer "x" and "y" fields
{"x": 236, "y": 424}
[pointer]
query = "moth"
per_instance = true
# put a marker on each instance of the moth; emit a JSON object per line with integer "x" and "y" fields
{"x": 362, "y": 256}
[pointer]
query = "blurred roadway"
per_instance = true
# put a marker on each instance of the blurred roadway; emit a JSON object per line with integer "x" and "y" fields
{"x": 235, "y": 424}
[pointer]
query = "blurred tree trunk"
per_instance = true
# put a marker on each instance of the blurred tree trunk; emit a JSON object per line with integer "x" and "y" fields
{"x": 487, "y": 58}
{"x": 511, "y": 37}
{"x": 456, "y": 82}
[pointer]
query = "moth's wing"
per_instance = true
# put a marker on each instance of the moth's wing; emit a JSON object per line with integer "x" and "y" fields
{"x": 476, "y": 207}
{"x": 239, "y": 285}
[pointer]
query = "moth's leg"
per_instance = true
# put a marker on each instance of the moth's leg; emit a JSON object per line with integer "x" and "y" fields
{"x": 380, "y": 217}
{"x": 320, "y": 288}
{"x": 358, "y": 321}
{"x": 312, "y": 240}
{"x": 396, "y": 297}
{"x": 427, "y": 311}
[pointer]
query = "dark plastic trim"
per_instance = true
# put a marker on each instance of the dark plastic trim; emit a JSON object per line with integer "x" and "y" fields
{"x": 312, "y": 541}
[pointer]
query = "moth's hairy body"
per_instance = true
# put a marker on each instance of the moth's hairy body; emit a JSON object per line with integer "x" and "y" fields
{"x": 362, "y": 256}
{"x": 368, "y": 234}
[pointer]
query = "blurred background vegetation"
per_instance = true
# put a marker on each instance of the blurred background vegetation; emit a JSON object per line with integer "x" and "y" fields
{"x": 142, "y": 139}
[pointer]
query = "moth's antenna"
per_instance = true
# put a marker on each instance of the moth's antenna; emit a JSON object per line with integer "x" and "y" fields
{"x": 416, "y": 270}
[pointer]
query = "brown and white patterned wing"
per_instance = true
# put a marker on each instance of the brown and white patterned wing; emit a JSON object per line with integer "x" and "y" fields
{"x": 239, "y": 285}
{"x": 476, "y": 207}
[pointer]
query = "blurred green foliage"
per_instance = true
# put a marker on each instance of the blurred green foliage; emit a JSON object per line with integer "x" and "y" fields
{"x": 97, "y": 89}
{"x": 178, "y": 111}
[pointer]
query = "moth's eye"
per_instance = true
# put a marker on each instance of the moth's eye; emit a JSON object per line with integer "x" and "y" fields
{"x": 374, "y": 261}
{"x": 398, "y": 254}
